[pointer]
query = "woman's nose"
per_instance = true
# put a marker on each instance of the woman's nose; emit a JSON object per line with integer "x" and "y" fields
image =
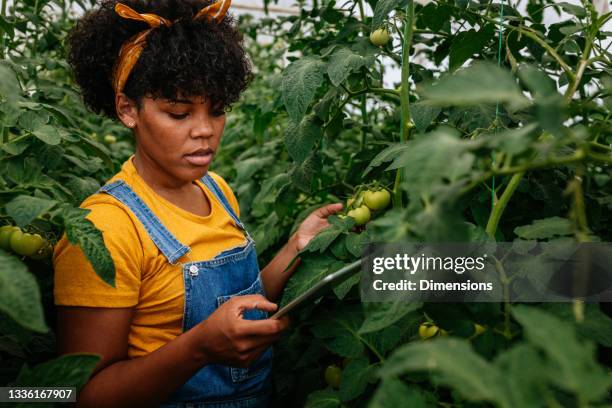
{"x": 203, "y": 127}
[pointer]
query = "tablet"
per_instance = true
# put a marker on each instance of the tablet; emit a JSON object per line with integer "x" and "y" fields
{"x": 334, "y": 277}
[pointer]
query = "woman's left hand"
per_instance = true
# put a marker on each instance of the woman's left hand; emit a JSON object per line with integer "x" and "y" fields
{"x": 314, "y": 223}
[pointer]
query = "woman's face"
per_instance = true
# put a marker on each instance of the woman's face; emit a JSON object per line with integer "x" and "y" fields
{"x": 178, "y": 138}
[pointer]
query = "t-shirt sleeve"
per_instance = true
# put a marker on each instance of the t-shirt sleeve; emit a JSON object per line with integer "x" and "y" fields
{"x": 227, "y": 190}
{"x": 75, "y": 281}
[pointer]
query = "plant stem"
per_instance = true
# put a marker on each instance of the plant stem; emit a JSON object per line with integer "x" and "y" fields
{"x": 361, "y": 12}
{"x": 4, "y": 34}
{"x": 364, "y": 116}
{"x": 405, "y": 121}
{"x": 584, "y": 62}
{"x": 500, "y": 205}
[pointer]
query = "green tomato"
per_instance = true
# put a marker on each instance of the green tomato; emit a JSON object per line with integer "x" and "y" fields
{"x": 428, "y": 330}
{"x": 377, "y": 200}
{"x": 333, "y": 375}
{"x": 110, "y": 139}
{"x": 479, "y": 329}
{"x": 5, "y": 236}
{"x": 361, "y": 215}
{"x": 379, "y": 37}
{"x": 26, "y": 244}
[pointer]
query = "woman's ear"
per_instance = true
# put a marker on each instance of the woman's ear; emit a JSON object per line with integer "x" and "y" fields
{"x": 127, "y": 111}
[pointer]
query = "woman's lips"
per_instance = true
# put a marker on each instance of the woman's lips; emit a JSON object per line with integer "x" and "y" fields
{"x": 199, "y": 159}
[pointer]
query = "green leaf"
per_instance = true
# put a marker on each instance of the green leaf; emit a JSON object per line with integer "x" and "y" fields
{"x": 423, "y": 114}
{"x": 323, "y": 239}
{"x": 19, "y": 294}
{"x": 426, "y": 162}
{"x": 596, "y": 326}
{"x": 355, "y": 378}
{"x": 572, "y": 9}
{"x": 538, "y": 82}
{"x": 33, "y": 120}
{"x": 435, "y": 16}
{"x": 381, "y": 315}
{"x": 393, "y": 393}
{"x": 16, "y": 147}
{"x": 344, "y": 287}
{"x": 245, "y": 169}
{"x": 453, "y": 363}
{"x": 48, "y": 134}
{"x": 342, "y": 63}
{"x": 9, "y": 85}
{"x": 481, "y": 82}
{"x": 513, "y": 141}
{"x": 355, "y": 243}
{"x": 66, "y": 371}
{"x": 339, "y": 329}
{"x": 382, "y": 10}
{"x": 388, "y": 154}
{"x": 301, "y": 79}
{"x": 575, "y": 367}
{"x": 300, "y": 138}
{"x": 24, "y": 209}
{"x": 24, "y": 172}
{"x": 467, "y": 43}
{"x": 545, "y": 228}
{"x": 266, "y": 234}
{"x": 525, "y": 372}
{"x": 7, "y": 27}
{"x": 309, "y": 273}
{"x": 84, "y": 233}
{"x": 323, "y": 399}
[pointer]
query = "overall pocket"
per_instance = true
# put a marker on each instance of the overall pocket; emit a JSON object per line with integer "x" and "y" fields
{"x": 264, "y": 361}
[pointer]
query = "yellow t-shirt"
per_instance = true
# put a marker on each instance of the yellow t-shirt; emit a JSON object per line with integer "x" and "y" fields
{"x": 144, "y": 278}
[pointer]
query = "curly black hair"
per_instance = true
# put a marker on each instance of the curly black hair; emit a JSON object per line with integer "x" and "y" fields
{"x": 190, "y": 58}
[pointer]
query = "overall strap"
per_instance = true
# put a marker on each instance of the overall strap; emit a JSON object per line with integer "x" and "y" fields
{"x": 214, "y": 187}
{"x": 163, "y": 239}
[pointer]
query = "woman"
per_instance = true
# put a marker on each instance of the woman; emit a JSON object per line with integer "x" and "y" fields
{"x": 186, "y": 322}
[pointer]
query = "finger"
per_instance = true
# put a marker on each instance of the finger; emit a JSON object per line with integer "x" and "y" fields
{"x": 329, "y": 209}
{"x": 262, "y": 327}
{"x": 248, "y": 302}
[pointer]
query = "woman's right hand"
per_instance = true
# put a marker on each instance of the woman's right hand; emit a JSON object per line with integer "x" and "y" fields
{"x": 229, "y": 339}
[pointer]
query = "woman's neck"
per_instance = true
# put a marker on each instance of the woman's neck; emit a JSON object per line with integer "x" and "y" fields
{"x": 156, "y": 177}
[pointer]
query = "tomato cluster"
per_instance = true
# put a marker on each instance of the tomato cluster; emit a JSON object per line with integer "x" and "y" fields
{"x": 23, "y": 243}
{"x": 361, "y": 206}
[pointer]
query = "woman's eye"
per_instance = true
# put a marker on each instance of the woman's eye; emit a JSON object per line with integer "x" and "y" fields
{"x": 219, "y": 113}
{"x": 177, "y": 115}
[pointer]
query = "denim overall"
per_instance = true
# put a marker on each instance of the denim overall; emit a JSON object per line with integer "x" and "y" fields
{"x": 208, "y": 284}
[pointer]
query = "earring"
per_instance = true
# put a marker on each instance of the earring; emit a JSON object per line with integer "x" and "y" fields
{"x": 131, "y": 124}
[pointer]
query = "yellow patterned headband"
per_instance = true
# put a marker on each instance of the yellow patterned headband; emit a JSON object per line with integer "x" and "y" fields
{"x": 132, "y": 48}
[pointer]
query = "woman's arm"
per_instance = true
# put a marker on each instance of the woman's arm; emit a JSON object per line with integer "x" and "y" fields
{"x": 118, "y": 381}
{"x": 274, "y": 276}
